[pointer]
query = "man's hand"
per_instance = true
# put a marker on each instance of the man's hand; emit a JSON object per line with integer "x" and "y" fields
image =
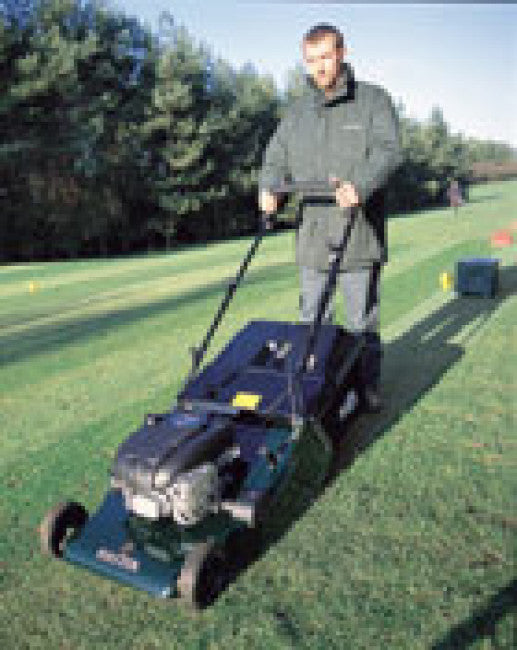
{"x": 268, "y": 202}
{"x": 346, "y": 194}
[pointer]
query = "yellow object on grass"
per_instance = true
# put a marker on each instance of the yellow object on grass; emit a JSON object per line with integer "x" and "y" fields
{"x": 446, "y": 281}
{"x": 246, "y": 400}
{"x": 33, "y": 286}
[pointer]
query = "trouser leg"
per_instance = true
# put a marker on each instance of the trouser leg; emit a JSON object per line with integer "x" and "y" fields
{"x": 312, "y": 282}
{"x": 361, "y": 295}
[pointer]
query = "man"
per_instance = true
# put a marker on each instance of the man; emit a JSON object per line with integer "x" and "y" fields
{"x": 454, "y": 194}
{"x": 346, "y": 132}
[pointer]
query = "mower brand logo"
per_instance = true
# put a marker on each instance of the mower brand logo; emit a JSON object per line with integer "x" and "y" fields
{"x": 118, "y": 559}
{"x": 185, "y": 419}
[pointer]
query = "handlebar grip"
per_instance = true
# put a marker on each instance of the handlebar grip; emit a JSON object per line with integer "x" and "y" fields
{"x": 320, "y": 189}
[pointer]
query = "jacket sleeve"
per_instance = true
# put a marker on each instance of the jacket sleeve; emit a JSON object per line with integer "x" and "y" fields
{"x": 383, "y": 149}
{"x": 275, "y": 167}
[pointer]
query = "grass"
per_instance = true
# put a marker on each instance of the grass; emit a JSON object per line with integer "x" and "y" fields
{"x": 412, "y": 543}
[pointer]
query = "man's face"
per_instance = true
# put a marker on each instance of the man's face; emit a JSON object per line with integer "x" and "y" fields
{"x": 323, "y": 61}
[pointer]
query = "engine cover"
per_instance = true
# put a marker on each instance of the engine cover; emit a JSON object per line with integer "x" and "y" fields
{"x": 153, "y": 466}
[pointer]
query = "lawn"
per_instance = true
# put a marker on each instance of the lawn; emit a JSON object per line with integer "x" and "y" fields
{"x": 412, "y": 542}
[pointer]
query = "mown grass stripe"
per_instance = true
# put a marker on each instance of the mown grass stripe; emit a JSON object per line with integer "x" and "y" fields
{"x": 421, "y": 281}
{"x": 135, "y": 293}
{"x": 74, "y": 390}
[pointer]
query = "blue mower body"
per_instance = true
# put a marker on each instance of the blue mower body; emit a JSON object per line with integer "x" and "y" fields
{"x": 190, "y": 482}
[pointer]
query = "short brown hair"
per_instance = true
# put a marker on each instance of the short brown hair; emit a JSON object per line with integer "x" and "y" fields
{"x": 322, "y": 29}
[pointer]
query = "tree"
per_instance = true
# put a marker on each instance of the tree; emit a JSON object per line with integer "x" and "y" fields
{"x": 39, "y": 83}
{"x": 75, "y": 86}
{"x": 175, "y": 134}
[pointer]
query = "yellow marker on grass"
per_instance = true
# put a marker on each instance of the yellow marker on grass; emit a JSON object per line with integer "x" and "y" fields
{"x": 446, "y": 281}
{"x": 33, "y": 286}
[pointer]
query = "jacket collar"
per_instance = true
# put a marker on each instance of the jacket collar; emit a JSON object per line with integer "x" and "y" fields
{"x": 345, "y": 88}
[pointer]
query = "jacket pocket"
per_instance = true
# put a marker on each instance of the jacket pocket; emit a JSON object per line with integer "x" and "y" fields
{"x": 352, "y": 144}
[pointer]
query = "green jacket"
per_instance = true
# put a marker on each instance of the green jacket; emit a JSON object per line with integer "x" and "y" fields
{"x": 354, "y": 136}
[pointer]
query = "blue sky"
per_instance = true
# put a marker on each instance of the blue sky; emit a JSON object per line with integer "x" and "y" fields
{"x": 462, "y": 57}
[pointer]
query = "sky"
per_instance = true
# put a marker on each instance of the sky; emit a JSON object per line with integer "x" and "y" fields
{"x": 461, "y": 57}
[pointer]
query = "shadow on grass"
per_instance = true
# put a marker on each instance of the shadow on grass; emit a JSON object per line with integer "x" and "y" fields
{"x": 45, "y": 338}
{"x": 483, "y": 199}
{"x": 415, "y": 361}
{"x": 412, "y": 364}
{"x": 482, "y": 623}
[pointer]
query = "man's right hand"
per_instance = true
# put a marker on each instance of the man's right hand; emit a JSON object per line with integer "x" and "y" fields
{"x": 268, "y": 202}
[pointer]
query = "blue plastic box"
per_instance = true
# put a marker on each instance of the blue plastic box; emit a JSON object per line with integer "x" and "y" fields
{"x": 477, "y": 276}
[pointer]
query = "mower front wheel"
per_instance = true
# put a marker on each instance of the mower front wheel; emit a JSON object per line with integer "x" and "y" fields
{"x": 59, "y": 525}
{"x": 204, "y": 575}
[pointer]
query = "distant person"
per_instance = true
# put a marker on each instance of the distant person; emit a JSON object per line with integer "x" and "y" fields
{"x": 455, "y": 197}
{"x": 345, "y": 131}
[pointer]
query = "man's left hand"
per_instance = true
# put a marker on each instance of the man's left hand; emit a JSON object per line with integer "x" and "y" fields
{"x": 346, "y": 194}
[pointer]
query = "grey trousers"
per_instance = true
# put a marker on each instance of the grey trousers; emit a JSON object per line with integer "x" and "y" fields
{"x": 360, "y": 289}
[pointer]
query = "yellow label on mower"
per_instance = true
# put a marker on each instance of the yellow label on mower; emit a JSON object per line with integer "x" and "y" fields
{"x": 246, "y": 400}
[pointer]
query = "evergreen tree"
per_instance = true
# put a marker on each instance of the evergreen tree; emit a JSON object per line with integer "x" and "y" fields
{"x": 175, "y": 134}
{"x": 38, "y": 136}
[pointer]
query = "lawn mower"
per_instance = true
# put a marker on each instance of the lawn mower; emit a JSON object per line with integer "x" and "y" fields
{"x": 190, "y": 482}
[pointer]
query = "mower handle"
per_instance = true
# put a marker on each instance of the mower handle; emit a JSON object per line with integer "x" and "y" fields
{"x": 307, "y": 189}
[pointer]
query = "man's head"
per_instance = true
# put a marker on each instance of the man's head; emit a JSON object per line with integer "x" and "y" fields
{"x": 323, "y": 52}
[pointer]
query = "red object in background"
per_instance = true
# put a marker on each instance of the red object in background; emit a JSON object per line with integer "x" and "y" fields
{"x": 501, "y": 238}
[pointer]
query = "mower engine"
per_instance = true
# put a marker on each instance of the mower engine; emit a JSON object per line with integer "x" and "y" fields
{"x": 196, "y": 494}
{"x": 167, "y": 468}
{"x": 193, "y": 496}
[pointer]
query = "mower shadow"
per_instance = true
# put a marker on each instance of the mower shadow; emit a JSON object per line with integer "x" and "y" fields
{"x": 412, "y": 364}
{"x": 483, "y": 622}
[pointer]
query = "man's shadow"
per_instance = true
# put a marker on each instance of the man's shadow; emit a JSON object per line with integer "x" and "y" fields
{"x": 413, "y": 363}
{"x": 416, "y": 360}
{"x": 483, "y": 622}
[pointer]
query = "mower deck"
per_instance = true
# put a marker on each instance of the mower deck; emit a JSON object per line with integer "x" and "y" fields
{"x": 150, "y": 555}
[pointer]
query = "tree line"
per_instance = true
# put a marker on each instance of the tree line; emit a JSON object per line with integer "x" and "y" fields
{"x": 114, "y": 139}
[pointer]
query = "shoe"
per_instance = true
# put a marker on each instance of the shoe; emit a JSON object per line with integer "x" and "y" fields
{"x": 372, "y": 400}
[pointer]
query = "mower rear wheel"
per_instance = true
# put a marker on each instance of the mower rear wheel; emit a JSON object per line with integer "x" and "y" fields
{"x": 59, "y": 524}
{"x": 204, "y": 575}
